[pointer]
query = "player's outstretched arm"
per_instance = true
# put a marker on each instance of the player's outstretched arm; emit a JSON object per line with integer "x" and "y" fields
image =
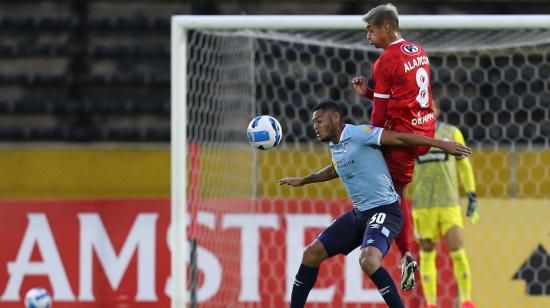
{"x": 398, "y": 138}
{"x": 326, "y": 174}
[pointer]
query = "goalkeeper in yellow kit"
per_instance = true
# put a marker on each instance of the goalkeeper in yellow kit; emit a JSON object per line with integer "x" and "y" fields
{"x": 436, "y": 210}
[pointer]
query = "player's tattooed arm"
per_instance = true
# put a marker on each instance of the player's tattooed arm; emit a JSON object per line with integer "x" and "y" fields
{"x": 326, "y": 174}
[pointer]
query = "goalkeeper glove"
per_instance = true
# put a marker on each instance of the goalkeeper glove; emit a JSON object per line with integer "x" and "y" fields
{"x": 473, "y": 209}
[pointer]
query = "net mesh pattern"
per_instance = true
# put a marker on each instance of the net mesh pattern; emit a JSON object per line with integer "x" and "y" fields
{"x": 493, "y": 85}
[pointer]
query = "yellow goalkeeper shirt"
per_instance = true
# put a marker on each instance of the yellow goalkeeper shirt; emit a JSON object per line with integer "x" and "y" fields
{"x": 436, "y": 173}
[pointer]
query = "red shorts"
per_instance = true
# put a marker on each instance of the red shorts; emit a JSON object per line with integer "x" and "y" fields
{"x": 400, "y": 161}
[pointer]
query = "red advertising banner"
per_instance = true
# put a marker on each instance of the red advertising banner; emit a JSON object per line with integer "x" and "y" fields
{"x": 116, "y": 253}
{"x": 91, "y": 253}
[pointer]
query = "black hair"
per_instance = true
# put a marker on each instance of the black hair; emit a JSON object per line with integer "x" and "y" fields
{"x": 332, "y": 106}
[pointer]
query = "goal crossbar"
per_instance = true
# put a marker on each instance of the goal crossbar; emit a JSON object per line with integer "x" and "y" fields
{"x": 355, "y": 21}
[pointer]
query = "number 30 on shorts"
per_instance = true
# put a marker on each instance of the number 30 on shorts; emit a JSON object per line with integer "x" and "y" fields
{"x": 378, "y": 218}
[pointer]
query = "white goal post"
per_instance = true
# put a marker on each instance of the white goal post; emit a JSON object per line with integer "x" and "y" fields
{"x": 181, "y": 25}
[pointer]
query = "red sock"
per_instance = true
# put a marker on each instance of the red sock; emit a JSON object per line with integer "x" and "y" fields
{"x": 404, "y": 239}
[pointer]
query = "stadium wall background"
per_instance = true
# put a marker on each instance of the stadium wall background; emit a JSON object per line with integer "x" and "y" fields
{"x": 126, "y": 175}
{"x": 111, "y": 172}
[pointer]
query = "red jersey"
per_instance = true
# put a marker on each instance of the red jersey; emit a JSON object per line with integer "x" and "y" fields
{"x": 402, "y": 76}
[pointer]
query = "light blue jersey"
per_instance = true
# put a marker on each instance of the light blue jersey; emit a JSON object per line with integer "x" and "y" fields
{"x": 362, "y": 168}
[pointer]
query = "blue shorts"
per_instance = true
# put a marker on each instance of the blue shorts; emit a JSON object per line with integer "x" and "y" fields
{"x": 374, "y": 227}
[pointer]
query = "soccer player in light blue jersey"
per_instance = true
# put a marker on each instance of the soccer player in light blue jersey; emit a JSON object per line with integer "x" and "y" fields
{"x": 376, "y": 216}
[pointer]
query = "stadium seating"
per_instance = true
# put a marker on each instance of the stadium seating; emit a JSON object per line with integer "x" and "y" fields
{"x": 111, "y": 58}
{"x": 80, "y": 70}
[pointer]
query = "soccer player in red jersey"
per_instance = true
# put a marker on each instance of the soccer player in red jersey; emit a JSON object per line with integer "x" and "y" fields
{"x": 402, "y": 101}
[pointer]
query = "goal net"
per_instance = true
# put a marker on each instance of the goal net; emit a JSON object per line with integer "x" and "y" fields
{"x": 490, "y": 78}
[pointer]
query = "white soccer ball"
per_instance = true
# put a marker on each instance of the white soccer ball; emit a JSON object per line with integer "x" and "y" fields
{"x": 264, "y": 132}
{"x": 38, "y": 298}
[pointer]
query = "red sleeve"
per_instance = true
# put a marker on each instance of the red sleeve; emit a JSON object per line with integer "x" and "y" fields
{"x": 382, "y": 90}
{"x": 378, "y": 115}
{"x": 370, "y": 94}
{"x": 382, "y": 76}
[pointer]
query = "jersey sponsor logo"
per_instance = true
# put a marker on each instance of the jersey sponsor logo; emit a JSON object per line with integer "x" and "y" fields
{"x": 433, "y": 156}
{"x": 423, "y": 119}
{"x": 416, "y": 62}
{"x": 410, "y": 49}
{"x": 344, "y": 163}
